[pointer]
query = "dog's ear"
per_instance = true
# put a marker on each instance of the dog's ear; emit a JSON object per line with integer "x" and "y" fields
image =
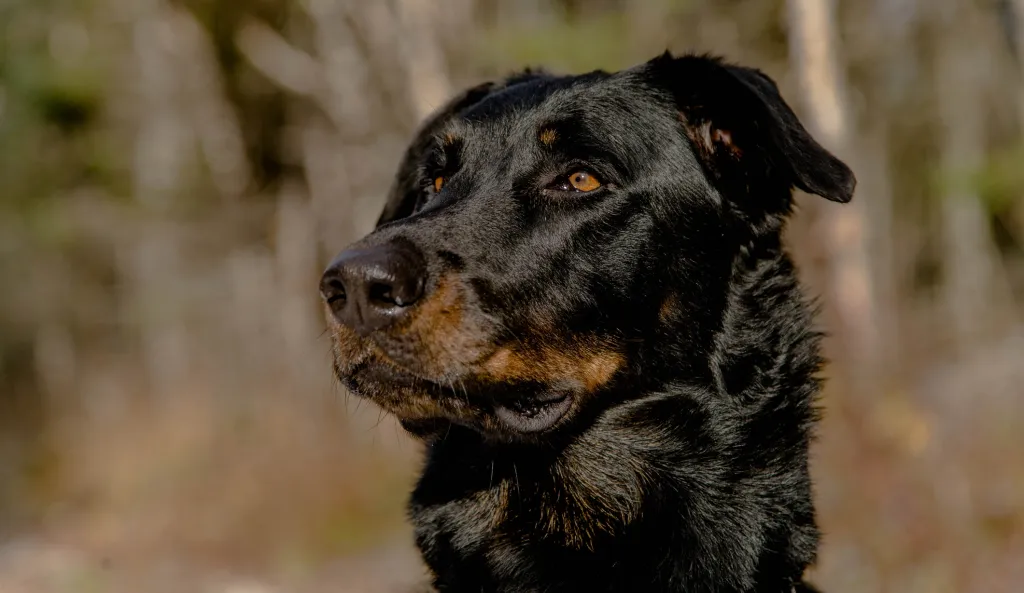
{"x": 744, "y": 131}
{"x": 405, "y": 192}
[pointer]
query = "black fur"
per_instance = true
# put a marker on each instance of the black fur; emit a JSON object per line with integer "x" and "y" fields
{"x": 682, "y": 463}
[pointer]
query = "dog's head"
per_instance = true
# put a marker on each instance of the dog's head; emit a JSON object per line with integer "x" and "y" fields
{"x": 547, "y": 239}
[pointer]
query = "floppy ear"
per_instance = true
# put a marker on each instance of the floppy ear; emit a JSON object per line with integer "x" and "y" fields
{"x": 405, "y": 192}
{"x": 746, "y": 134}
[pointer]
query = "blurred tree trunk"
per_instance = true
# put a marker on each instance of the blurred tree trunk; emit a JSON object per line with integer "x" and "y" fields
{"x": 882, "y": 39}
{"x": 875, "y": 181}
{"x": 1017, "y": 22}
{"x": 428, "y": 83}
{"x": 976, "y": 293}
{"x": 1017, "y": 34}
{"x": 164, "y": 162}
{"x": 648, "y": 20}
{"x": 842, "y": 230}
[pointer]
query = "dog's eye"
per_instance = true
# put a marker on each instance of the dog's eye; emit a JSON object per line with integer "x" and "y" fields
{"x": 579, "y": 182}
{"x": 438, "y": 183}
{"x": 583, "y": 182}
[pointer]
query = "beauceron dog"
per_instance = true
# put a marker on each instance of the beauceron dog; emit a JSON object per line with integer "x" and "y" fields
{"x": 577, "y": 296}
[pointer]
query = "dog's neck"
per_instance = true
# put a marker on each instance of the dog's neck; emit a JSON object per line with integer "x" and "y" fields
{"x": 685, "y": 487}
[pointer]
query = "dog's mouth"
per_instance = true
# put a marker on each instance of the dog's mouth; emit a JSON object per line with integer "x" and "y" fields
{"x": 529, "y": 387}
{"x": 517, "y": 409}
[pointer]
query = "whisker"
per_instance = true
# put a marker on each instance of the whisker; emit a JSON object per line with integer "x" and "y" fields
{"x": 447, "y": 432}
{"x": 380, "y": 418}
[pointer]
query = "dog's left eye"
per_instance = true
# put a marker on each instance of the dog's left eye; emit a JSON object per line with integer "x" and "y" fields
{"x": 579, "y": 181}
{"x": 438, "y": 183}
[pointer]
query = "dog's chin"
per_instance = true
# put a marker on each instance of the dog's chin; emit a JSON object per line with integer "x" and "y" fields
{"x": 424, "y": 406}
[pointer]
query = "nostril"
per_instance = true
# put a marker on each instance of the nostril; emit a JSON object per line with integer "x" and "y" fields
{"x": 382, "y": 294}
{"x": 337, "y": 292}
{"x": 387, "y": 295}
{"x": 332, "y": 289}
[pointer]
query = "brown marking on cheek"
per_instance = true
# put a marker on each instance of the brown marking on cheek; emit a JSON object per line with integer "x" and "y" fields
{"x": 438, "y": 325}
{"x": 600, "y": 369}
{"x": 588, "y": 364}
{"x": 440, "y": 336}
{"x": 504, "y": 365}
{"x": 449, "y": 139}
{"x": 441, "y": 313}
{"x": 548, "y": 136}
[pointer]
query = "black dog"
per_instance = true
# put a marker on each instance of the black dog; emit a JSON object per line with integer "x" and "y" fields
{"x": 578, "y": 298}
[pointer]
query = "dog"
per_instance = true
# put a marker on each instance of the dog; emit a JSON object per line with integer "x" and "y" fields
{"x": 578, "y": 298}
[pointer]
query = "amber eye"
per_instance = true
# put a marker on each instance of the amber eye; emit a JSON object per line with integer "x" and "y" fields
{"x": 438, "y": 183}
{"x": 583, "y": 181}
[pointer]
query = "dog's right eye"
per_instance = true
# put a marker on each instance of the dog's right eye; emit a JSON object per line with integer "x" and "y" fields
{"x": 438, "y": 183}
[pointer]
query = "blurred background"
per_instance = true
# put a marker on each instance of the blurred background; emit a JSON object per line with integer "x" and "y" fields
{"x": 175, "y": 174}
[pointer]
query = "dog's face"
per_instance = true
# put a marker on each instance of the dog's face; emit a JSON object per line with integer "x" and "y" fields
{"x": 548, "y": 237}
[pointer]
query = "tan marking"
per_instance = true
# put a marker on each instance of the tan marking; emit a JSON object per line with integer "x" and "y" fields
{"x": 723, "y": 138}
{"x": 347, "y": 345}
{"x": 699, "y": 135}
{"x": 591, "y": 365}
{"x": 503, "y": 364}
{"x": 409, "y": 404}
{"x": 706, "y": 137}
{"x": 585, "y": 511}
{"x": 449, "y": 139}
{"x": 600, "y": 369}
{"x": 669, "y": 307}
{"x": 548, "y": 136}
{"x": 710, "y": 139}
{"x": 502, "y": 498}
{"x": 435, "y": 339}
{"x": 438, "y": 326}
{"x": 439, "y": 339}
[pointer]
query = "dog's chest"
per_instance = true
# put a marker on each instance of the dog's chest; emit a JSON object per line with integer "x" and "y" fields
{"x": 467, "y": 542}
{"x": 526, "y": 527}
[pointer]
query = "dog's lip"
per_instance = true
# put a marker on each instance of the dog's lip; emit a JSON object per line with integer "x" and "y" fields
{"x": 538, "y": 414}
{"x": 531, "y": 415}
{"x": 387, "y": 373}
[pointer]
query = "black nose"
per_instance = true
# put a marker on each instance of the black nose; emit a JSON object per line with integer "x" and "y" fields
{"x": 368, "y": 289}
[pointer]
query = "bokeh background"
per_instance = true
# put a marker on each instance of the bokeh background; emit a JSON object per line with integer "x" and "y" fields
{"x": 174, "y": 175}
